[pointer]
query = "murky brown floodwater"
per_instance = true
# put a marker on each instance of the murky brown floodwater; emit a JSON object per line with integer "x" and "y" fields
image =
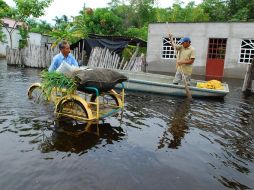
{"x": 160, "y": 143}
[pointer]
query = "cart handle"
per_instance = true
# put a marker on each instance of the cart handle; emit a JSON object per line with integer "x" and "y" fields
{"x": 93, "y": 88}
{"x": 122, "y": 85}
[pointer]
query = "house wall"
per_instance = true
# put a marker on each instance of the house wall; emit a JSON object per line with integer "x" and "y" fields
{"x": 199, "y": 34}
{"x": 15, "y": 39}
{"x": 34, "y": 38}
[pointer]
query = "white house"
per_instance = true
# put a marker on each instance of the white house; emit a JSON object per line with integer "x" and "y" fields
{"x": 222, "y": 49}
{"x": 34, "y": 38}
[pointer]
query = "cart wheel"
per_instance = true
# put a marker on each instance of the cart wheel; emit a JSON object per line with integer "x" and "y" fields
{"x": 72, "y": 108}
{"x": 35, "y": 93}
{"x": 109, "y": 98}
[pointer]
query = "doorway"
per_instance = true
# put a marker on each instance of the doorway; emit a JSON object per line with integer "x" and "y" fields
{"x": 215, "y": 58}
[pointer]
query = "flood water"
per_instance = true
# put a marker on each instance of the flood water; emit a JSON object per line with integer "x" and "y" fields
{"x": 159, "y": 142}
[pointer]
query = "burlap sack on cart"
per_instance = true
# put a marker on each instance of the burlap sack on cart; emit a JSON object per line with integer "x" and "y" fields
{"x": 100, "y": 78}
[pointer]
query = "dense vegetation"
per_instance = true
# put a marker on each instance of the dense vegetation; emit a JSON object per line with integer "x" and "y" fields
{"x": 129, "y": 17}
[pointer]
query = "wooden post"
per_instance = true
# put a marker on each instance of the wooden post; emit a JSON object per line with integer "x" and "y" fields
{"x": 249, "y": 77}
{"x": 144, "y": 63}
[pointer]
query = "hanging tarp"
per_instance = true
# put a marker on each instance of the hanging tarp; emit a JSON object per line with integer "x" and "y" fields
{"x": 131, "y": 40}
{"x": 115, "y": 44}
{"x": 89, "y": 44}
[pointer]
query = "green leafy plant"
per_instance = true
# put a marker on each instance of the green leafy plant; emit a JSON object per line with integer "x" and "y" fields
{"x": 129, "y": 51}
{"x": 56, "y": 80}
{"x": 24, "y": 34}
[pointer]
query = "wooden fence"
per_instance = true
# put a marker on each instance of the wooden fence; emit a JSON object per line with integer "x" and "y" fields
{"x": 31, "y": 56}
{"x": 40, "y": 57}
{"x": 102, "y": 57}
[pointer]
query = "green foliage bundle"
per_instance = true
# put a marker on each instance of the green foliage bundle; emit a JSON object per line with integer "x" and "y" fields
{"x": 55, "y": 80}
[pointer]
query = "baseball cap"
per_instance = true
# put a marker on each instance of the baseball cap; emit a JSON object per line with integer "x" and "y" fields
{"x": 185, "y": 39}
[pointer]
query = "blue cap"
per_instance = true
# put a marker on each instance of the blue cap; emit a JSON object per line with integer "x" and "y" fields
{"x": 185, "y": 39}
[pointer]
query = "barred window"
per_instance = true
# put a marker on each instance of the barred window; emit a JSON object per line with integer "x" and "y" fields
{"x": 217, "y": 48}
{"x": 247, "y": 51}
{"x": 168, "y": 51}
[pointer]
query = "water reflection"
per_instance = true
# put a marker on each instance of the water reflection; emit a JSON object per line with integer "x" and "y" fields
{"x": 70, "y": 136}
{"x": 178, "y": 127}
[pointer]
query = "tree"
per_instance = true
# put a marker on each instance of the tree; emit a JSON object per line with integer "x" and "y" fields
{"x": 143, "y": 11}
{"x": 68, "y": 33}
{"x": 64, "y": 29}
{"x": 193, "y": 13}
{"x": 25, "y": 9}
{"x": 61, "y": 21}
{"x": 99, "y": 21}
{"x": 240, "y": 10}
{"x": 41, "y": 26}
{"x": 3, "y": 9}
{"x": 216, "y": 9}
{"x": 137, "y": 32}
{"x": 125, "y": 13}
{"x": 162, "y": 15}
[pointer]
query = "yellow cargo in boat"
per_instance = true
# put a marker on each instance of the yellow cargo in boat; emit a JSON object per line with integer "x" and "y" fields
{"x": 212, "y": 84}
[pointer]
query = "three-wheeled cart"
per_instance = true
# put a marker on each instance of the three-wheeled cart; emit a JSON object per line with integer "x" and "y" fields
{"x": 79, "y": 104}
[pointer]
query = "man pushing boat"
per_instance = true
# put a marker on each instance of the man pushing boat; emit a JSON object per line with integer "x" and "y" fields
{"x": 185, "y": 56}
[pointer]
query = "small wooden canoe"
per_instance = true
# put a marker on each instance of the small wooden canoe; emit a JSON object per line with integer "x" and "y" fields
{"x": 163, "y": 84}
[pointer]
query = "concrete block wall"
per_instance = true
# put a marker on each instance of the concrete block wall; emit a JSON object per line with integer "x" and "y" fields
{"x": 199, "y": 34}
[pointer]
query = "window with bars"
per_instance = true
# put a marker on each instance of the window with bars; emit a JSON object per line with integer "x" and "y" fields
{"x": 217, "y": 48}
{"x": 247, "y": 51}
{"x": 168, "y": 51}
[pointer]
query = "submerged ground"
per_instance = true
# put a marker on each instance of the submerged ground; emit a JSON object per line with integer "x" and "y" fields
{"x": 159, "y": 142}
